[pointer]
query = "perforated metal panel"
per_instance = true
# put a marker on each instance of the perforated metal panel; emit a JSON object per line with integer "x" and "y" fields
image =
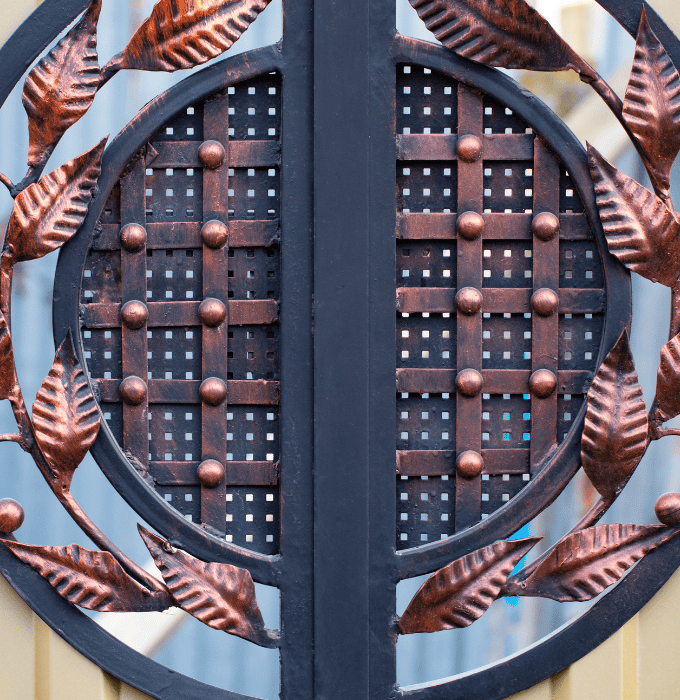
{"x": 168, "y": 191}
{"x": 516, "y": 178}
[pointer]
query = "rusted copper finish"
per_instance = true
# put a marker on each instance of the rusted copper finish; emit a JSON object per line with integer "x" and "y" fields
{"x": 615, "y": 434}
{"x": 213, "y": 391}
{"x": 667, "y": 509}
{"x": 220, "y": 595}
{"x": 210, "y": 473}
{"x": 461, "y": 592}
{"x": 133, "y": 391}
{"x": 545, "y": 226}
{"x": 469, "y": 464}
{"x": 182, "y": 34}
{"x": 469, "y": 148}
{"x": 214, "y": 234}
{"x": 133, "y": 237}
{"x": 211, "y": 154}
{"x": 668, "y": 380}
{"x": 542, "y": 383}
{"x": 469, "y": 301}
{"x": 469, "y": 382}
{"x": 61, "y": 88}
{"x": 470, "y": 225}
{"x": 134, "y": 314}
{"x": 11, "y": 516}
{"x": 212, "y": 312}
{"x": 545, "y": 302}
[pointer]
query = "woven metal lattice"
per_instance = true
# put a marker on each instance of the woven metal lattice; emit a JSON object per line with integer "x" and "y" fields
{"x": 515, "y": 179}
{"x": 167, "y": 190}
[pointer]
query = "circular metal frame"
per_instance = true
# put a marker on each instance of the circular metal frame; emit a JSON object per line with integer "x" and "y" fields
{"x": 497, "y": 681}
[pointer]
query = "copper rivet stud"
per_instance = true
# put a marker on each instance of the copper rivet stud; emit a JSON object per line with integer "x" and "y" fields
{"x": 545, "y": 226}
{"x": 134, "y": 314}
{"x": 667, "y": 509}
{"x": 133, "y": 237}
{"x": 213, "y": 391}
{"x": 545, "y": 302}
{"x": 11, "y": 515}
{"x": 215, "y": 234}
{"x": 469, "y": 301}
{"x": 470, "y": 225}
{"x": 469, "y": 149}
{"x": 132, "y": 390}
{"x": 212, "y": 312}
{"x": 469, "y": 382}
{"x": 542, "y": 383}
{"x": 469, "y": 464}
{"x": 211, "y": 154}
{"x": 210, "y": 473}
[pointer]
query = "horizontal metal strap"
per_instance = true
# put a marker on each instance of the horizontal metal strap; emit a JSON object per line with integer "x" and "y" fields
{"x": 238, "y": 473}
{"x": 252, "y": 392}
{"x": 249, "y": 233}
{"x": 438, "y": 462}
{"x": 497, "y": 226}
{"x": 413, "y": 300}
{"x": 443, "y": 147}
{"x": 242, "y": 154}
{"x": 495, "y": 381}
{"x": 247, "y": 312}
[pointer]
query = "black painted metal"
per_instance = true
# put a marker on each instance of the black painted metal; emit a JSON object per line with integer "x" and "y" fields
{"x": 341, "y": 566}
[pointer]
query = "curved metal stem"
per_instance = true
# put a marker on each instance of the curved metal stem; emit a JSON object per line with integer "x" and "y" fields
{"x": 6, "y": 182}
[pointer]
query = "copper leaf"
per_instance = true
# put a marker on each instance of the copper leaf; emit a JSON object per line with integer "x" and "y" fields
{"x": 640, "y": 229}
{"x": 668, "y": 379}
{"x": 47, "y": 213}
{"x": 503, "y": 33}
{"x": 220, "y": 595}
{"x": 615, "y": 431}
{"x": 7, "y": 376}
{"x": 652, "y": 105}
{"x": 92, "y": 580}
{"x": 461, "y": 592}
{"x": 582, "y": 565}
{"x": 65, "y": 415}
{"x": 185, "y": 33}
{"x": 61, "y": 87}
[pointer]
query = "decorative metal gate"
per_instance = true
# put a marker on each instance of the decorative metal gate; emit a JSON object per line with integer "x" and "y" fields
{"x": 315, "y": 272}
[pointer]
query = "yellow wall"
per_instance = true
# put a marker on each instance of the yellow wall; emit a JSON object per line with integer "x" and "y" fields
{"x": 639, "y": 662}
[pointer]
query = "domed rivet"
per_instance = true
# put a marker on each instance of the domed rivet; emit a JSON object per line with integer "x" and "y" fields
{"x": 545, "y": 226}
{"x": 469, "y": 464}
{"x": 469, "y": 382}
{"x": 215, "y": 234}
{"x": 11, "y": 516}
{"x": 134, "y": 314}
{"x": 469, "y": 301}
{"x": 211, "y": 154}
{"x": 667, "y": 509}
{"x": 133, "y": 237}
{"x": 212, "y": 312}
{"x": 132, "y": 390}
{"x": 210, "y": 473}
{"x": 542, "y": 383}
{"x": 469, "y": 149}
{"x": 545, "y": 302}
{"x": 470, "y": 225}
{"x": 213, "y": 391}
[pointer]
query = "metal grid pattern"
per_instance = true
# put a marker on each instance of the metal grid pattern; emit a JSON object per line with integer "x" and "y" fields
{"x": 515, "y": 179}
{"x": 171, "y": 191}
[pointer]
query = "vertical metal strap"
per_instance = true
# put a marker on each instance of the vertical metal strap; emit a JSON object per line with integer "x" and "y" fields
{"x": 133, "y": 283}
{"x": 215, "y": 335}
{"x": 544, "y": 326}
{"x": 469, "y": 326}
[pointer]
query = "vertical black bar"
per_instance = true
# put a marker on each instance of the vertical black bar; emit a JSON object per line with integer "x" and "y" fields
{"x": 296, "y": 479}
{"x": 341, "y": 332}
{"x": 382, "y": 351}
